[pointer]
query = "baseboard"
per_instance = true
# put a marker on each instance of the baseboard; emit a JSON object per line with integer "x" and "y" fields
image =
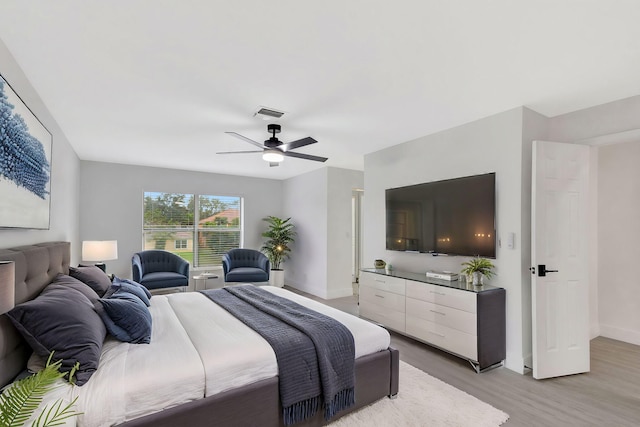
{"x": 307, "y": 289}
{"x": 620, "y": 334}
{"x": 528, "y": 361}
{"x": 340, "y": 293}
{"x": 594, "y": 331}
{"x": 516, "y": 364}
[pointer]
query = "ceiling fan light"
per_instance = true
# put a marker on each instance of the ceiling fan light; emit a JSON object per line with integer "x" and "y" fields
{"x": 272, "y": 156}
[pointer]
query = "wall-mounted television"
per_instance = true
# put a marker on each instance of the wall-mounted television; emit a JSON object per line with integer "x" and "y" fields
{"x": 453, "y": 217}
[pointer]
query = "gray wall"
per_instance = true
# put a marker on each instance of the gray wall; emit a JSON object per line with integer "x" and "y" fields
{"x": 112, "y": 205}
{"x": 319, "y": 203}
{"x": 341, "y": 183}
{"x": 305, "y": 201}
{"x": 65, "y": 170}
{"x": 493, "y": 144}
{"x": 605, "y": 119}
{"x": 618, "y": 236}
{"x": 535, "y": 127}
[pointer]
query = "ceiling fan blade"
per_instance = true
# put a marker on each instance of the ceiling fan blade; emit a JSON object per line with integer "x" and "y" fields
{"x": 304, "y": 156}
{"x": 239, "y": 152}
{"x": 297, "y": 144}
{"x": 274, "y": 164}
{"x": 244, "y": 138}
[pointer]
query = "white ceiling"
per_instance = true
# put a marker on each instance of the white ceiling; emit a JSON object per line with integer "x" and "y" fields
{"x": 159, "y": 82}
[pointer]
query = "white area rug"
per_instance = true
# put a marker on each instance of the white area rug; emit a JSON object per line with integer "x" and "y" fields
{"x": 425, "y": 401}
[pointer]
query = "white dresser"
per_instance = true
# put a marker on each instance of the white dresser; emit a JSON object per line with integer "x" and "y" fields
{"x": 382, "y": 299}
{"x": 465, "y": 320}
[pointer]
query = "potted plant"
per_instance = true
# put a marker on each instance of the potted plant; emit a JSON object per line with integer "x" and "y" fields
{"x": 279, "y": 235}
{"x": 476, "y": 269}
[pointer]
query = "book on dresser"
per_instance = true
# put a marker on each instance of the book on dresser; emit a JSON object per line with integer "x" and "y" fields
{"x": 466, "y": 320}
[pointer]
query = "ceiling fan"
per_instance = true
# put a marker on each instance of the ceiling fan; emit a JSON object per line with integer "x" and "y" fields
{"x": 274, "y": 150}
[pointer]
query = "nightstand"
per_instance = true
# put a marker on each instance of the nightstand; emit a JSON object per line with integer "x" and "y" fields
{"x": 201, "y": 280}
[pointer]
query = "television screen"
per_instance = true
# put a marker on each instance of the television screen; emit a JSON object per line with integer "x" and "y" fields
{"x": 454, "y": 217}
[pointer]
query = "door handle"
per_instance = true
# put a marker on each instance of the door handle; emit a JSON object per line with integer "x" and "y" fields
{"x": 542, "y": 270}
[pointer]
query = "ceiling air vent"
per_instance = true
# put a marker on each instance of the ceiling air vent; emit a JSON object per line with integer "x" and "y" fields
{"x": 268, "y": 113}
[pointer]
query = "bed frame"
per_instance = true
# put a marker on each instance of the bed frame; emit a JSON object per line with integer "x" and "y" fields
{"x": 255, "y": 404}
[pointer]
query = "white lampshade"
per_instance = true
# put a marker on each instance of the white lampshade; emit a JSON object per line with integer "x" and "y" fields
{"x": 272, "y": 156}
{"x": 99, "y": 250}
{"x": 7, "y": 286}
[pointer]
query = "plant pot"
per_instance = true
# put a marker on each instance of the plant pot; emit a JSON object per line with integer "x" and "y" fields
{"x": 468, "y": 278}
{"x": 379, "y": 264}
{"x": 477, "y": 278}
{"x": 276, "y": 278}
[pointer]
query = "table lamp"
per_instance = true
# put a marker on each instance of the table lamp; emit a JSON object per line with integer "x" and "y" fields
{"x": 7, "y": 286}
{"x": 100, "y": 251}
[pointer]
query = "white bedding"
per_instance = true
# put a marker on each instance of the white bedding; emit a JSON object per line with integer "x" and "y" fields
{"x": 197, "y": 349}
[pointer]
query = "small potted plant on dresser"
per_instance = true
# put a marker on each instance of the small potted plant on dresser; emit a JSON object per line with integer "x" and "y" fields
{"x": 279, "y": 235}
{"x": 476, "y": 269}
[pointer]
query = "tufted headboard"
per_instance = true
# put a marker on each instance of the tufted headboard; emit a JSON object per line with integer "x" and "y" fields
{"x": 35, "y": 266}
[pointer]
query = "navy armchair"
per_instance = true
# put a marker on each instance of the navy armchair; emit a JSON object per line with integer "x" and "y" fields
{"x": 245, "y": 265}
{"x": 160, "y": 269}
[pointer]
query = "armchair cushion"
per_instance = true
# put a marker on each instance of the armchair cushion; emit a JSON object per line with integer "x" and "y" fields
{"x": 247, "y": 274}
{"x": 164, "y": 279}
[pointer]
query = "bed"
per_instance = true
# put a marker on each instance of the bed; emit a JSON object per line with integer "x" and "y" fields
{"x": 229, "y": 380}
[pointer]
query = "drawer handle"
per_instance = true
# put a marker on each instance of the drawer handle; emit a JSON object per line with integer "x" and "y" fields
{"x": 438, "y": 312}
{"x": 437, "y": 293}
{"x": 380, "y": 281}
{"x": 435, "y": 333}
{"x": 379, "y": 296}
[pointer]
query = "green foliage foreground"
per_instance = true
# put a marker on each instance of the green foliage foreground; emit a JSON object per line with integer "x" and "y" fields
{"x": 21, "y": 399}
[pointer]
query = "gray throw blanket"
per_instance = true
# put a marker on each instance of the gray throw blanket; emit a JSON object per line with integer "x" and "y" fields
{"x": 315, "y": 353}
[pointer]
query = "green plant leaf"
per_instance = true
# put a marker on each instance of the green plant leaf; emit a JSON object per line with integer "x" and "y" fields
{"x": 481, "y": 265}
{"x": 19, "y": 401}
{"x": 280, "y": 234}
{"x": 55, "y": 415}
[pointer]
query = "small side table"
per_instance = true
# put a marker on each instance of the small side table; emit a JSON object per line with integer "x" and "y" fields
{"x": 203, "y": 277}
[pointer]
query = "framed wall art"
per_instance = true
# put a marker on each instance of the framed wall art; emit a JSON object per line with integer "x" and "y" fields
{"x": 25, "y": 164}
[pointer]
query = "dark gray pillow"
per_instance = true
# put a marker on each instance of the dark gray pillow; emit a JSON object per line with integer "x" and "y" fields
{"x": 92, "y": 276}
{"x": 126, "y": 317}
{"x": 129, "y": 286}
{"x": 62, "y": 320}
{"x": 68, "y": 282}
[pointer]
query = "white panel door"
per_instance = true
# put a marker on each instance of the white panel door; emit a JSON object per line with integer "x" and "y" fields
{"x": 560, "y": 287}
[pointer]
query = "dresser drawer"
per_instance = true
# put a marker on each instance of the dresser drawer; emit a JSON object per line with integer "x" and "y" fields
{"x": 446, "y": 338}
{"x": 443, "y": 315}
{"x": 382, "y": 298}
{"x": 395, "y": 285}
{"x": 392, "y": 319}
{"x": 442, "y": 295}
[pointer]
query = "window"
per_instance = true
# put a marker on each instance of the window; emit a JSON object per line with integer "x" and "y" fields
{"x": 199, "y": 228}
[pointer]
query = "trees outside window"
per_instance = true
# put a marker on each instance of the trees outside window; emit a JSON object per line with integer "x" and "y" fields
{"x": 199, "y": 228}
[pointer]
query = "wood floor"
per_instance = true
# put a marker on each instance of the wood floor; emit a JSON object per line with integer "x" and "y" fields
{"x": 609, "y": 395}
